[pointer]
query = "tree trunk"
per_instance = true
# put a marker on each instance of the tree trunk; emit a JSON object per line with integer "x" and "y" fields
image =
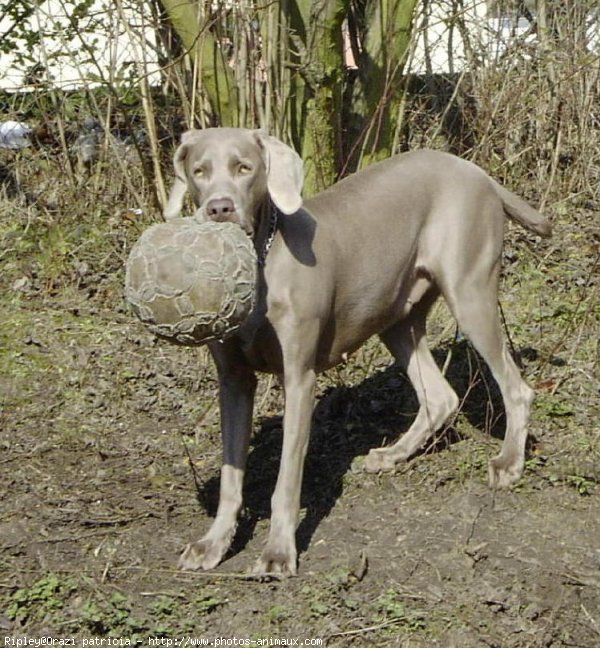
{"x": 323, "y": 72}
{"x": 198, "y": 32}
{"x": 386, "y": 30}
{"x": 292, "y": 82}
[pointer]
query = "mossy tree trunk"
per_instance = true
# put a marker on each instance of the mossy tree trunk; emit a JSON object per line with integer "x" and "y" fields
{"x": 199, "y": 35}
{"x": 385, "y": 26}
{"x": 323, "y": 72}
{"x": 289, "y": 73}
{"x": 306, "y": 77}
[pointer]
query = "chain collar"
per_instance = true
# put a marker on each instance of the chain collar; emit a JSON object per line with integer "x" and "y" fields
{"x": 273, "y": 221}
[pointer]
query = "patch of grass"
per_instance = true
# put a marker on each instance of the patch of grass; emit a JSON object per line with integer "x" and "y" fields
{"x": 583, "y": 485}
{"x": 553, "y": 406}
{"x": 58, "y": 601}
{"x": 208, "y": 601}
{"x": 164, "y": 605}
{"x": 473, "y": 462}
{"x": 46, "y": 598}
{"x": 164, "y": 611}
{"x": 110, "y": 616}
{"x": 583, "y": 482}
{"x": 277, "y": 614}
{"x": 317, "y": 600}
{"x": 391, "y": 607}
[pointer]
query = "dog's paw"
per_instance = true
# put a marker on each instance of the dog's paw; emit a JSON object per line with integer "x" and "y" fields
{"x": 503, "y": 472}
{"x": 279, "y": 561}
{"x": 379, "y": 460}
{"x": 202, "y": 554}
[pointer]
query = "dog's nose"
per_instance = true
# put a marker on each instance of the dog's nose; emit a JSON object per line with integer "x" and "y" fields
{"x": 220, "y": 209}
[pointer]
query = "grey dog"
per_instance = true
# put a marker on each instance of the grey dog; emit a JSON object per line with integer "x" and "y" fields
{"x": 370, "y": 255}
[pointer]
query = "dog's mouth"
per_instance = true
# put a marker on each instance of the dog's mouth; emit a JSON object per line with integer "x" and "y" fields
{"x": 228, "y": 215}
{"x": 248, "y": 229}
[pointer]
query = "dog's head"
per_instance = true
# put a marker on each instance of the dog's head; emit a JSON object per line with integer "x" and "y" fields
{"x": 229, "y": 173}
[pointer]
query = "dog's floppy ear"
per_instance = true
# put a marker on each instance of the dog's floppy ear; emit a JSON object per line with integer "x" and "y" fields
{"x": 175, "y": 203}
{"x": 285, "y": 174}
{"x": 177, "y": 194}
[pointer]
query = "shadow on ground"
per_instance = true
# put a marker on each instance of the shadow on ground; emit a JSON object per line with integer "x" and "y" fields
{"x": 347, "y": 423}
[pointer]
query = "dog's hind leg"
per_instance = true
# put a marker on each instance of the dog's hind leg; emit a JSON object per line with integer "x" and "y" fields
{"x": 407, "y": 342}
{"x": 473, "y": 299}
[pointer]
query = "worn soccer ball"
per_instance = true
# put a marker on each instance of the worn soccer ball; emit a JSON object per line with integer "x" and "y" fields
{"x": 192, "y": 282}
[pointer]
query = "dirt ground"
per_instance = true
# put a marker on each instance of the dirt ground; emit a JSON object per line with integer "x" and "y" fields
{"x": 110, "y": 451}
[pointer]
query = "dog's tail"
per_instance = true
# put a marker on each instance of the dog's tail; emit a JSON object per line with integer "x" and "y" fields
{"x": 521, "y": 212}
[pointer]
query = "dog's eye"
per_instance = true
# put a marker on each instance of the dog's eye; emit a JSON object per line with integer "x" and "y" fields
{"x": 199, "y": 172}
{"x": 244, "y": 168}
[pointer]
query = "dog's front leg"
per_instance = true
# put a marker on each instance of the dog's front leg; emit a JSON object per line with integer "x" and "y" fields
{"x": 279, "y": 555}
{"x": 237, "y": 385}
